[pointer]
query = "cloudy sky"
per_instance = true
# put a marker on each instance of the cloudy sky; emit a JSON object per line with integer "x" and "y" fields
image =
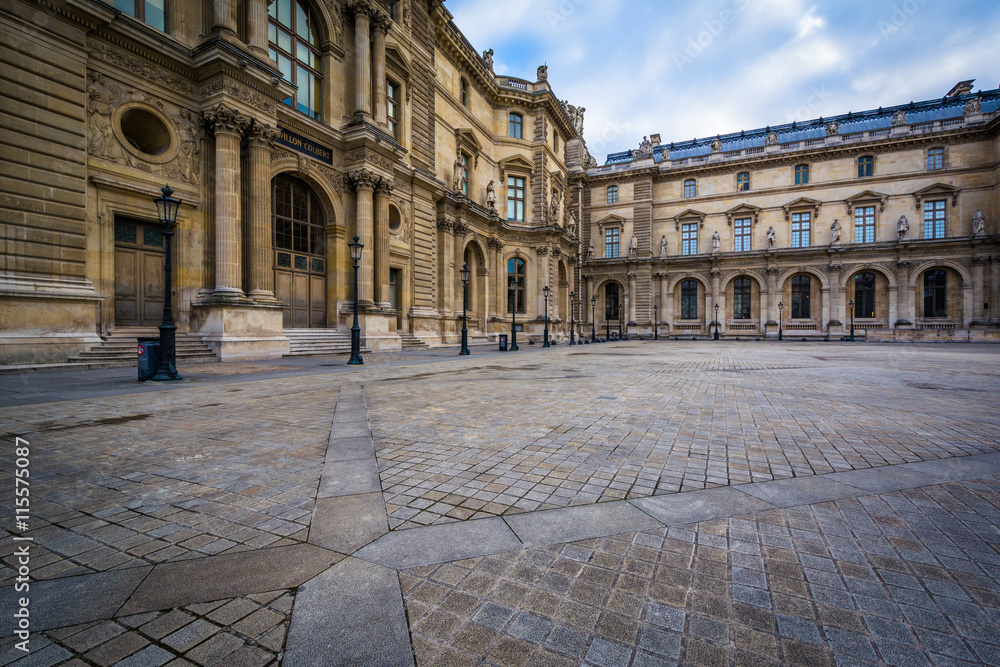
{"x": 687, "y": 69}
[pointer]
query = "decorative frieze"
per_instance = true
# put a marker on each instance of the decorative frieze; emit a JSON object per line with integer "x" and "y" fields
{"x": 139, "y": 67}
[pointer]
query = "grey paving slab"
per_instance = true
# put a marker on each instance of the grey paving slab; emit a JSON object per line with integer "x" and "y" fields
{"x": 350, "y": 429}
{"x": 957, "y": 468}
{"x": 681, "y": 508}
{"x": 351, "y": 614}
{"x": 582, "y": 522}
{"x": 217, "y": 577}
{"x": 347, "y": 478}
{"x": 799, "y": 491}
{"x": 439, "y": 544}
{"x": 72, "y": 600}
{"x": 349, "y": 449}
{"x": 347, "y": 523}
{"x": 886, "y": 478}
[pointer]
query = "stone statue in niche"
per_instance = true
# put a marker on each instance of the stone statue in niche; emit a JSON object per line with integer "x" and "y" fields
{"x": 102, "y": 97}
{"x": 903, "y": 228}
{"x": 491, "y": 197}
{"x": 572, "y": 222}
{"x": 590, "y": 250}
{"x": 488, "y": 57}
{"x": 459, "y": 169}
{"x": 770, "y": 237}
{"x": 663, "y": 247}
{"x": 979, "y": 223}
{"x": 554, "y": 209}
{"x": 836, "y": 228}
{"x": 716, "y": 241}
{"x": 633, "y": 247}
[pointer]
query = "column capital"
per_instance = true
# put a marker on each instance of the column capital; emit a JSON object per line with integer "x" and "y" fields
{"x": 362, "y": 179}
{"x": 494, "y": 243}
{"x": 262, "y": 134}
{"x": 365, "y": 8}
{"x": 380, "y": 22}
{"x": 221, "y": 119}
{"x": 460, "y": 227}
{"x": 384, "y": 185}
{"x": 444, "y": 225}
{"x": 542, "y": 251}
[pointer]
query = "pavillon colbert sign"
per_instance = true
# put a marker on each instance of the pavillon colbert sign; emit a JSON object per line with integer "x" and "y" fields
{"x": 299, "y": 143}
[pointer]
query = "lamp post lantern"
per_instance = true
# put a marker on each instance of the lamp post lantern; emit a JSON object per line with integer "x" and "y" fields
{"x": 656, "y": 323}
{"x": 465, "y": 300}
{"x": 572, "y": 307}
{"x": 780, "y": 306}
{"x": 593, "y": 319}
{"x": 851, "y": 304}
{"x": 545, "y": 331}
{"x": 356, "y": 247}
{"x": 513, "y": 315}
{"x": 716, "y": 336}
{"x": 166, "y": 213}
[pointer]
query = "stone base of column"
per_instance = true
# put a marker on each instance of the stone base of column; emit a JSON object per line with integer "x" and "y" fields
{"x": 378, "y": 332}
{"x": 45, "y": 327}
{"x": 263, "y": 296}
{"x": 241, "y": 331}
{"x": 228, "y": 294}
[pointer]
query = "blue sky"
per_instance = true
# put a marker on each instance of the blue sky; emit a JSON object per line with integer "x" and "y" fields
{"x": 695, "y": 69}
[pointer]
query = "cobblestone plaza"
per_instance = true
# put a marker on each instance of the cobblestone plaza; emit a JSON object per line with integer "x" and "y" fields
{"x": 636, "y": 503}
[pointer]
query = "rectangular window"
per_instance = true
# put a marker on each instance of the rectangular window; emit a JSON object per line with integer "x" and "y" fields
{"x": 612, "y": 194}
{"x": 611, "y": 242}
{"x": 866, "y": 166}
{"x": 689, "y": 300}
{"x": 935, "y": 158}
{"x": 741, "y": 231}
{"x": 801, "y": 223}
{"x": 516, "y": 125}
{"x": 392, "y": 107}
{"x": 465, "y": 174}
{"x": 934, "y": 219}
{"x": 864, "y": 224}
{"x": 743, "y": 181}
{"x": 802, "y": 174}
{"x": 150, "y": 12}
{"x": 515, "y": 198}
{"x": 689, "y": 188}
{"x": 689, "y": 239}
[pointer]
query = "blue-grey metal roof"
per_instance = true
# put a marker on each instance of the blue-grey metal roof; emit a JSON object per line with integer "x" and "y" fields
{"x": 875, "y": 119}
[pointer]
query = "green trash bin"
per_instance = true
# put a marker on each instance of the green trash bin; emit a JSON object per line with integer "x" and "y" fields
{"x": 148, "y": 357}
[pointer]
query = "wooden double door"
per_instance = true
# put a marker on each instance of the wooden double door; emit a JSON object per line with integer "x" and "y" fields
{"x": 139, "y": 256}
{"x": 300, "y": 282}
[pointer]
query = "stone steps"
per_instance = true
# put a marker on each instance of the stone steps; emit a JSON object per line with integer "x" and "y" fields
{"x": 311, "y": 342}
{"x": 120, "y": 349}
{"x": 411, "y": 342}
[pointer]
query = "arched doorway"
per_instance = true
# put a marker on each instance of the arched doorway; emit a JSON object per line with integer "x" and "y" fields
{"x": 299, "y": 252}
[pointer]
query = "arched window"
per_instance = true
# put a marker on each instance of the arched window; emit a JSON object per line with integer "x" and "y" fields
{"x": 801, "y": 289}
{"x": 936, "y": 293}
{"x": 298, "y": 217}
{"x": 515, "y": 274}
{"x": 741, "y": 299}
{"x": 689, "y": 300}
{"x": 690, "y": 188}
{"x": 864, "y": 295}
{"x": 293, "y": 41}
{"x": 611, "y": 301}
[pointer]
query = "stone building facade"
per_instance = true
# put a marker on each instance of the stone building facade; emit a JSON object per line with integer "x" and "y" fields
{"x": 287, "y": 127}
{"x": 887, "y": 215}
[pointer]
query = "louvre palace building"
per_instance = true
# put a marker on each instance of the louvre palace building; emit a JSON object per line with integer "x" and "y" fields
{"x": 288, "y": 127}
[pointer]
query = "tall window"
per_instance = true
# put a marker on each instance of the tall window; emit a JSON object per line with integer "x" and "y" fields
{"x": 935, "y": 158}
{"x": 463, "y": 92}
{"x": 690, "y": 188}
{"x": 689, "y": 239}
{"x": 516, "y": 123}
{"x": 743, "y": 181}
{"x": 515, "y": 198}
{"x": 866, "y": 166}
{"x": 741, "y": 231}
{"x": 801, "y": 288}
{"x": 864, "y": 295}
{"x": 465, "y": 173}
{"x": 394, "y": 10}
{"x": 801, "y": 228}
{"x": 515, "y": 272}
{"x": 612, "y": 194}
{"x": 555, "y": 140}
{"x": 611, "y": 241}
{"x": 298, "y": 222}
{"x": 934, "y": 219}
{"x": 801, "y": 174}
{"x": 293, "y": 40}
{"x": 150, "y": 12}
{"x": 689, "y": 300}
{"x": 611, "y": 301}
{"x": 864, "y": 224}
{"x": 741, "y": 299}
{"x": 935, "y": 294}
{"x": 392, "y": 107}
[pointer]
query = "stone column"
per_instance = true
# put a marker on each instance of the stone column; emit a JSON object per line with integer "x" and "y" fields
{"x": 826, "y": 293}
{"x": 995, "y": 290}
{"x": 631, "y": 297}
{"x": 773, "y": 296}
{"x": 446, "y": 263}
{"x": 904, "y": 309}
{"x": 541, "y": 280}
{"x": 668, "y": 313}
{"x": 260, "y": 139}
{"x": 588, "y": 290}
{"x": 257, "y": 27}
{"x": 224, "y": 16}
{"x": 380, "y": 26}
{"x": 978, "y": 288}
{"x": 380, "y": 251}
{"x": 228, "y": 126}
{"x": 710, "y": 306}
{"x": 363, "y": 182}
{"x": 833, "y": 311}
{"x": 362, "y": 60}
{"x": 458, "y": 254}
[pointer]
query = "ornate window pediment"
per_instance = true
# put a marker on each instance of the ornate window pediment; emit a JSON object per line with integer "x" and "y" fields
{"x": 610, "y": 221}
{"x": 689, "y": 215}
{"x": 938, "y": 190}
{"x": 516, "y": 163}
{"x": 802, "y": 203}
{"x": 866, "y": 197}
{"x": 743, "y": 211}
{"x": 467, "y": 143}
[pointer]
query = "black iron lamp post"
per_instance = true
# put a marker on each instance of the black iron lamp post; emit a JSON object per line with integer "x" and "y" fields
{"x": 465, "y": 300}
{"x": 593, "y": 319}
{"x": 851, "y": 304}
{"x": 572, "y": 307}
{"x": 780, "y": 306}
{"x": 545, "y": 331}
{"x": 716, "y": 336}
{"x": 166, "y": 213}
{"x": 513, "y": 315}
{"x": 656, "y": 323}
{"x": 356, "y": 248}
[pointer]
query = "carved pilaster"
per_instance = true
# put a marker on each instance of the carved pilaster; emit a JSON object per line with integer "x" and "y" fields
{"x": 542, "y": 251}
{"x": 228, "y": 126}
{"x": 225, "y": 120}
{"x": 383, "y": 188}
{"x": 260, "y": 140}
{"x": 363, "y": 182}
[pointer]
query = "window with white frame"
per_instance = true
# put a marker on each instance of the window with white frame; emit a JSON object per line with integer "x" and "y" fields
{"x": 690, "y": 188}
{"x": 612, "y": 194}
{"x": 934, "y": 219}
{"x": 741, "y": 234}
{"x": 611, "y": 242}
{"x": 801, "y": 229}
{"x": 864, "y": 224}
{"x": 515, "y": 198}
{"x": 689, "y": 239}
{"x": 935, "y": 158}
